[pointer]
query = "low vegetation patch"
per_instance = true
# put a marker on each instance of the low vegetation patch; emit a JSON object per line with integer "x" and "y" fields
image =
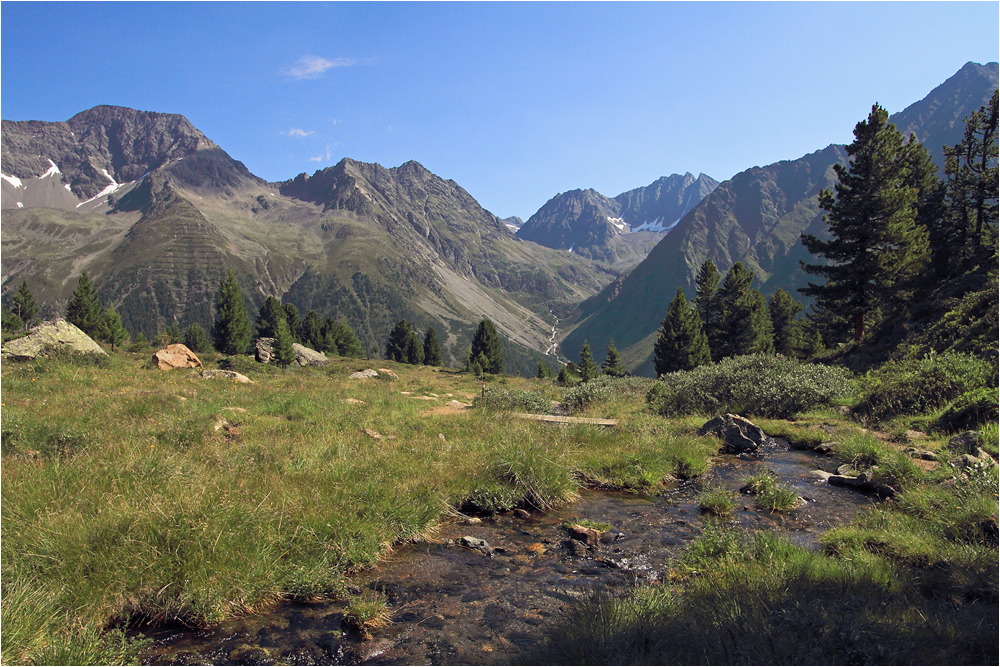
{"x": 717, "y": 500}
{"x": 605, "y": 388}
{"x": 769, "y": 493}
{"x": 758, "y": 384}
{"x": 915, "y": 386}
{"x": 513, "y": 399}
{"x": 970, "y": 410}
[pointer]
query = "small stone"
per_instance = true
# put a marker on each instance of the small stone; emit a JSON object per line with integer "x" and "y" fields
{"x": 361, "y": 375}
{"x": 522, "y": 514}
{"x": 441, "y": 437}
{"x": 353, "y": 401}
{"x": 470, "y": 542}
{"x": 473, "y": 521}
{"x": 386, "y": 371}
{"x": 589, "y": 535}
{"x": 372, "y": 434}
{"x": 229, "y": 375}
{"x": 964, "y": 443}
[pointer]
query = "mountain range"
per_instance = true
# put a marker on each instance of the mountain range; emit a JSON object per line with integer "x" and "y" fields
{"x": 757, "y": 218}
{"x": 619, "y": 231}
{"x": 157, "y": 213}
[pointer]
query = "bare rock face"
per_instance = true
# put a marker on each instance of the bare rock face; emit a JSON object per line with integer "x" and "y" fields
{"x": 264, "y": 349}
{"x": 176, "y": 356}
{"x": 305, "y": 356}
{"x": 52, "y": 333}
{"x": 739, "y": 435}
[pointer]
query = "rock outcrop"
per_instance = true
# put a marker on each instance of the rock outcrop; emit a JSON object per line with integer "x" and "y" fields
{"x": 176, "y": 356}
{"x": 51, "y": 333}
{"x": 739, "y": 435}
{"x": 229, "y": 375}
{"x": 305, "y": 356}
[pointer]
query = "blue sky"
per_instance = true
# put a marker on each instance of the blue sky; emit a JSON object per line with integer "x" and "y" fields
{"x": 514, "y": 101}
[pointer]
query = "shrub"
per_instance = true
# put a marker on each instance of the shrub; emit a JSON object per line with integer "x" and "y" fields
{"x": 970, "y": 410}
{"x": 605, "y": 388}
{"x": 915, "y": 386}
{"x": 508, "y": 398}
{"x": 716, "y": 500}
{"x": 759, "y": 384}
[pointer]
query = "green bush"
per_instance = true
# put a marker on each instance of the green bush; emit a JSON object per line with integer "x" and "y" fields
{"x": 604, "y": 388}
{"x": 759, "y": 384}
{"x": 769, "y": 493}
{"x": 970, "y": 410}
{"x": 508, "y": 398}
{"x": 915, "y": 386}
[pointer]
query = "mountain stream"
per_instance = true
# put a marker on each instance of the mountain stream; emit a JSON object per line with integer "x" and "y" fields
{"x": 452, "y": 604}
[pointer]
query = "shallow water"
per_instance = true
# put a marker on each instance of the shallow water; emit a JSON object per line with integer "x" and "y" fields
{"x": 454, "y": 605}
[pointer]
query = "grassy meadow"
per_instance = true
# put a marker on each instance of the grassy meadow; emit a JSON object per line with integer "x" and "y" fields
{"x": 133, "y": 494}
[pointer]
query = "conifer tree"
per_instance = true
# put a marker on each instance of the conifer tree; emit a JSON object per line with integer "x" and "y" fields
{"x": 84, "y": 311}
{"x": 231, "y": 330}
{"x": 284, "y": 353}
{"x": 588, "y": 369}
{"x": 24, "y": 305}
{"x": 612, "y": 364}
{"x": 681, "y": 344}
{"x": 789, "y": 332}
{"x": 111, "y": 330}
{"x": 11, "y": 323}
{"x": 486, "y": 341}
{"x": 876, "y": 247}
{"x": 414, "y": 350}
{"x": 347, "y": 343}
{"x": 543, "y": 370}
{"x": 746, "y": 323}
{"x": 195, "y": 338}
{"x": 396, "y": 344}
{"x": 271, "y": 312}
{"x": 173, "y": 332}
{"x": 706, "y": 302}
{"x": 432, "y": 348}
{"x": 312, "y": 332}
{"x": 294, "y": 322}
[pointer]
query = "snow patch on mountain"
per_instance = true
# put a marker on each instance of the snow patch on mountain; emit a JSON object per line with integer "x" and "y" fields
{"x": 619, "y": 224}
{"x": 13, "y": 180}
{"x": 53, "y": 170}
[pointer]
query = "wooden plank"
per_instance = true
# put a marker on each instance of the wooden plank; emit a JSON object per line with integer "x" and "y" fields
{"x": 566, "y": 420}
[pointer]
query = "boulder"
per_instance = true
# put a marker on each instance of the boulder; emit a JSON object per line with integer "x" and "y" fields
{"x": 964, "y": 443}
{"x": 308, "y": 357}
{"x": 739, "y": 435}
{"x": 231, "y": 375}
{"x": 367, "y": 373}
{"x": 263, "y": 349}
{"x": 51, "y": 333}
{"x": 176, "y": 356}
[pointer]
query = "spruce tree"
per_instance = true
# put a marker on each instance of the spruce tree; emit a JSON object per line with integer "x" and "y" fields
{"x": 231, "y": 330}
{"x": 588, "y": 369}
{"x": 111, "y": 330}
{"x": 284, "y": 353}
{"x": 788, "y": 330}
{"x": 24, "y": 305}
{"x": 543, "y": 371}
{"x": 196, "y": 339}
{"x": 347, "y": 342}
{"x": 432, "y": 348}
{"x": 414, "y": 350}
{"x": 399, "y": 337}
{"x": 681, "y": 343}
{"x": 11, "y": 323}
{"x": 270, "y": 314}
{"x": 312, "y": 332}
{"x": 173, "y": 333}
{"x": 876, "y": 247}
{"x": 486, "y": 341}
{"x": 706, "y": 302}
{"x": 746, "y": 323}
{"x": 84, "y": 311}
{"x": 294, "y": 322}
{"x": 612, "y": 364}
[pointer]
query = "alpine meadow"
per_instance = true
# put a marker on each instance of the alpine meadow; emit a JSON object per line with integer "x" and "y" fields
{"x": 354, "y": 417}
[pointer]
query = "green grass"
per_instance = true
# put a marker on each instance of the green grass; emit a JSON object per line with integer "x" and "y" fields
{"x": 769, "y": 493}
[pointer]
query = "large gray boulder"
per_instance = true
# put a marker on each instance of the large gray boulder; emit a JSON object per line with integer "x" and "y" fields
{"x": 305, "y": 356}
{"x": 739, "y": 435}
{"x": 51, "y": 333}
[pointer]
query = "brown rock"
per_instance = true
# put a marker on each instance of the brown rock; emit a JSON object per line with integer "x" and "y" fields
{"x": 739, "y": 434}
{"x": 589, "y": 535}
{"x": 176, "y": 356}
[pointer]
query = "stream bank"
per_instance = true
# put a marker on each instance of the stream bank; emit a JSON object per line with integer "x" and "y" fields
{"x": 455, "y": 604}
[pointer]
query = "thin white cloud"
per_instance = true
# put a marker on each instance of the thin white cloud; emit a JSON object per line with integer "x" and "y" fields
{"x": 328, "y": 156}
{"x": 297, "y": 132}
{"x": 311, "y": 67}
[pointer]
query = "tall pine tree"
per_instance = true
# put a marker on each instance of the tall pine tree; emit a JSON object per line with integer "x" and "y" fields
{"x": 432, "y": 348}
{"x": 876, "y": 246}
{"x": 231, "y": 330}
{"x": 399, "y": 338}
{"x": 612, "y": 364}
{"x": 24, "y": 305}
{"x": 789, "y": 331}
{"x": 588, "y": 369}
{"x": 271, "y": 312}
{"x": 681, "y": 343}
{"x": 84, "y": 311}
{"x": 284, "y": 353}
{"x": 486, "y": 342}
{"x": 707, "y": 302}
